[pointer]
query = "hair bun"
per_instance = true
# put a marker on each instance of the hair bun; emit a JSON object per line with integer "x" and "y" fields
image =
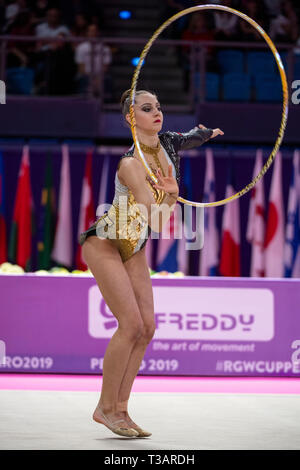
{"x": 125, "y": 96}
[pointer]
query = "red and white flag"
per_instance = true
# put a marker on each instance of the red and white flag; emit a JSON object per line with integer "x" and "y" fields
{"x": 256, "y": 222}
{"x": 63, "y": 246}
{"x": 230, "y": 246}
{"x": 274, "y": 240}
{"x": 87, "y": 211}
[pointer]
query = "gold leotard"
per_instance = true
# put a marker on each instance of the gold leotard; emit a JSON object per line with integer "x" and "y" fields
{"x": 123, "y": 223}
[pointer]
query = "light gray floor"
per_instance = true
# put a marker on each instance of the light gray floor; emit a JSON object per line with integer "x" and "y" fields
{"x": 62, "y": 420}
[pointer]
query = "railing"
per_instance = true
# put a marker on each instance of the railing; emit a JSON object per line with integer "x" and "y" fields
{"x": 197, "y": 62}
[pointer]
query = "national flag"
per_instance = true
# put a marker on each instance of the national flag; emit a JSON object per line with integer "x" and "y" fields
{"x": 87, "y": 211}
{"x": 63, "y": 245}
{"x": 3, "y": 237}
{"x": 274, "y": 240}
{"x": 23, "y": 224}
{"x": 47, "y": 219}
{"x": 209, "y": 253}
{"x": 167, "y": 243}
{"x": 256, "y": 222}
{"x": 230, "y": 245}
{"x": 292, "y": 236}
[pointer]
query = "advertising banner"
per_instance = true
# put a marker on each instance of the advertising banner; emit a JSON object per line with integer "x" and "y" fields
{"x": 204, "y": 326}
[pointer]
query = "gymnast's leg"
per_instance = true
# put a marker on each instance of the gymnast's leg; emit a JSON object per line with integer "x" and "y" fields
{"x": 138, "y": 272}
{"x": 105, "y": 263}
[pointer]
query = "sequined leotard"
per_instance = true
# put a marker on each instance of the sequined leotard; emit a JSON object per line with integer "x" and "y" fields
{"x": 123, "y": 223}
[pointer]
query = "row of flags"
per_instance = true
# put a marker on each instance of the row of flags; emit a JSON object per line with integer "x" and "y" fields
{"x": 275, "y": 247}
{"x": 54, "y": 230}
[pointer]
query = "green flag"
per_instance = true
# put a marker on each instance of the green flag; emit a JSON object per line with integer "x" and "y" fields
{"x": 47, "y": 219}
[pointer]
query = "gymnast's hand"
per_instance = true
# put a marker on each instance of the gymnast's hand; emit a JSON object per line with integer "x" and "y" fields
{"x": 215, "y": 131}
{"x": 167, "y": 183}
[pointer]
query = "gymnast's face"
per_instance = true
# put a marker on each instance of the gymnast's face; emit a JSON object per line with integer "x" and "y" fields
{"x": 148, "y": 114}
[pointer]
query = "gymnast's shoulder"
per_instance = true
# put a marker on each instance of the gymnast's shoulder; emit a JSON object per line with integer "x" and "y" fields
{"x": 130, "y": 169}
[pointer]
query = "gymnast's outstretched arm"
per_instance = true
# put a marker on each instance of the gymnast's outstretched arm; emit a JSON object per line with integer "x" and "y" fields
{"x": 194, "y": 138}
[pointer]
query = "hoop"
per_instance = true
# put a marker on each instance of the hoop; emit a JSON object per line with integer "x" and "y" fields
{"x": 284, "y": 90}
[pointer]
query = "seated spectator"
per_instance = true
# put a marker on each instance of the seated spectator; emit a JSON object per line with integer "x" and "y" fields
{"x": 51, "y": 28}
{"x": 226, "y": 24}
{"x": 83, "y": 58}
{"x": 20, "y": 54}
{"x": 255, "y": 10}
{"x": 285, "y": 28}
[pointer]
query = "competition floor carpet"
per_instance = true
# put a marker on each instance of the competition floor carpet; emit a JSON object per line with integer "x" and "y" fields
{"x": 54, "y": 412}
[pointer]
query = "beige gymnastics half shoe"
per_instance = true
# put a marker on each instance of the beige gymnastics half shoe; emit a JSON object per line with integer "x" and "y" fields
{"x": 121, "y": 431}
{"x": 122, "y": 406}
{"x": 142, "y": 432}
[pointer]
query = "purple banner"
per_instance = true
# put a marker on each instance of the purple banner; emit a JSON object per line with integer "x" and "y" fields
{"x": 204, "y": 326}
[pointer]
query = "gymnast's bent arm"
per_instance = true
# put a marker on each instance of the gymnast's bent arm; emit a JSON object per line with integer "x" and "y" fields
{"x": 133, "y": 174}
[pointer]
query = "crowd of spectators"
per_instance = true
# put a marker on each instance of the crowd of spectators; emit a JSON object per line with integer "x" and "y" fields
{"x": 60, "y": 67}
{"x": 279, "y": 18}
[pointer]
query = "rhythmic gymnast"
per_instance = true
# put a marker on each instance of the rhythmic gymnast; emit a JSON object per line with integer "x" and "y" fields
{"x": 114, "y": 250}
